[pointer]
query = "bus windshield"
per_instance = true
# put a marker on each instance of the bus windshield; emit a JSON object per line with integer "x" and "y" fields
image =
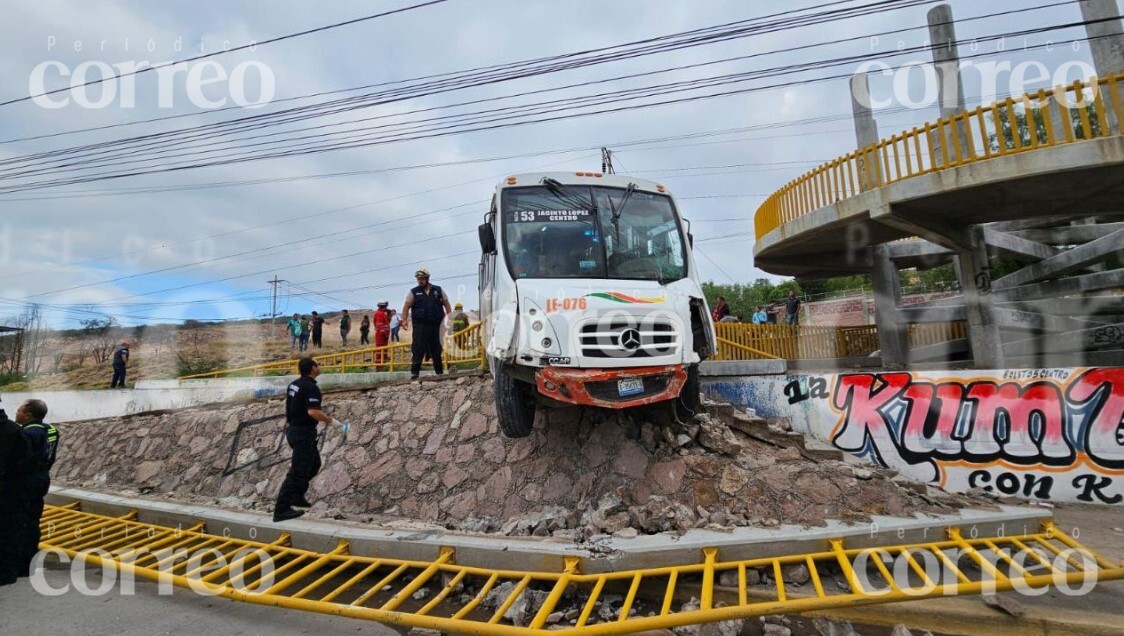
{"x": 592, "y": 232}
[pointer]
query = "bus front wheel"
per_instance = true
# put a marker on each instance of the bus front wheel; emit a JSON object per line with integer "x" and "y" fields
{"x": 688, "y": 402}
{"x": 515, "y": 403}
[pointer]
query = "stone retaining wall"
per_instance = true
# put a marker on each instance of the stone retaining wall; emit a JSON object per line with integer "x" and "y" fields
{"x": 432, "y": 451}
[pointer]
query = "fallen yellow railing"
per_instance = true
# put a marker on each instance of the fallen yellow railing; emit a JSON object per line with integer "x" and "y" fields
{"x": 459, "y": 598}
{"x": 463, "y": 347}
{"x": 1048, "y": 118}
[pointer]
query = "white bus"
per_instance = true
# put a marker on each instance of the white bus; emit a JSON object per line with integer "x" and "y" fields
{"x": 589, "y": 294}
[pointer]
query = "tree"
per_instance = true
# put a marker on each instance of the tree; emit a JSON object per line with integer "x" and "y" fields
{"x": 1038, "y": 116}
{"x": 97, "y": 332}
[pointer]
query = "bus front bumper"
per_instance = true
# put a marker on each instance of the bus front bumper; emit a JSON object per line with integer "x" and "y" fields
{"x": 611, "y": 388}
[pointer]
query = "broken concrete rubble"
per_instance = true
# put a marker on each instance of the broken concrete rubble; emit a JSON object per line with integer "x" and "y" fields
{"x": 438, "y": 458}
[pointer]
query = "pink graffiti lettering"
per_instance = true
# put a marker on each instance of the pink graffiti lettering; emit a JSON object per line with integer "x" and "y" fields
{"x": 902, "y": 422}
{"x": 1101, "y": 393}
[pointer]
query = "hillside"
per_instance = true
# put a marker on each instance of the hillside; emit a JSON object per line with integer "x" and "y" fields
{"x": 70, "y": 359}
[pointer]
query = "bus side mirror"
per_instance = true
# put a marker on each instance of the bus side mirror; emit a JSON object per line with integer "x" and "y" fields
{"x": 691, "y": 239}
{"x": 487, "y": 238}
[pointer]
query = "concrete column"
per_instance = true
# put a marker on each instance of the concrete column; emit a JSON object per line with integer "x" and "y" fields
{"x": 893, "y": 332}
{"x": 946, "y": 58}
{"x": 975, "y": 284}
{"x": 866, "y": 128}
{"x": 1106, "y": 40}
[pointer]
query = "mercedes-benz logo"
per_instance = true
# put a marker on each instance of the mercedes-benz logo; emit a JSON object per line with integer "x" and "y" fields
{"x": 630, "y": 339}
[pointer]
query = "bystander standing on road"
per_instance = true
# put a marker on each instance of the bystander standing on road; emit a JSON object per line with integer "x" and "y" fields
{"x": 426, "y": 305}
{"x": 345, "y": 327}
{"x": 120, "y": 360}
{"x": 759, "y": 316}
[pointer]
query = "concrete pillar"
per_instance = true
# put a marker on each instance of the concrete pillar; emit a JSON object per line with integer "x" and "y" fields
{"x": 1106, "y": 41}
{"x": 893, "y": 332}
{"x": 866, "y": 128}
{"x": 946, "y": 58}
{"x": 975, "y": 284}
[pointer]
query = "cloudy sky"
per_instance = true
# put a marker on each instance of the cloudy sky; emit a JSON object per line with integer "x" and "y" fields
{"x": 201, "y": 242}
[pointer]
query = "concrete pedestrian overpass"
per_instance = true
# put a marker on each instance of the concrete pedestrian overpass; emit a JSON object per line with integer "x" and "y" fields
{"x": 1038, "y": 179}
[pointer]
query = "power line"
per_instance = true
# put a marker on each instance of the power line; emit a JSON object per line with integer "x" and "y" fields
{"x": 235, "y": 49}
{"x": 481, "y": 71}
{"x": 715, "y": 35}
{"x": 544, "y": 108}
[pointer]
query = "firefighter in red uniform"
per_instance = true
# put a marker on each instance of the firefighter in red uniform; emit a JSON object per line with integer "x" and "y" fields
{"x": 382, "y": 330}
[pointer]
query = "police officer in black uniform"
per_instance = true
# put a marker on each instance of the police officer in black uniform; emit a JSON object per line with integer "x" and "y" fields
{"x": 15, "y": 455}
{"x": 302, "y": 413}
{"x": 427, "y": 305}
{"x": 43, "y": 442}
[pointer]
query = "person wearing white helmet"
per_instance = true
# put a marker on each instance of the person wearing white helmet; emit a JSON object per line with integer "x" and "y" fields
{"x": 382, "y": 330}
{"x": 427, "y": 305}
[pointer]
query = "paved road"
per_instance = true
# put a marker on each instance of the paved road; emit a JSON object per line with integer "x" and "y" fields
{"x": 147, "y": 613}
{"x": 24, "y": 611}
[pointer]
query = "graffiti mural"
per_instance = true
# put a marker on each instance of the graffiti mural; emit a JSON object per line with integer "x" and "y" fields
{"x": 1046, "y": 434}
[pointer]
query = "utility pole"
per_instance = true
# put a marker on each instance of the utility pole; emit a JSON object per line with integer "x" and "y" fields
{"x": 273, "y": 299}
{"x": 607, "y": 161}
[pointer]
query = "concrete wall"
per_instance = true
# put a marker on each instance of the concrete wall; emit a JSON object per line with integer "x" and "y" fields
{"x": 854, "y": 311}
{"x": 158, "y": 395}
{"x": 1045, "y": 434}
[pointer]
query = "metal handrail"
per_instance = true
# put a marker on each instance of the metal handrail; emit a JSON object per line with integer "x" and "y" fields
{"x": 1012, "y": 126}
{"x": 474, "y": 599}
{"x": 462, "y": 347}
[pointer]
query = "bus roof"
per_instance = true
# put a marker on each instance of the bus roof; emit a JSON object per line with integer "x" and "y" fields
{"x": 582, "y": 178}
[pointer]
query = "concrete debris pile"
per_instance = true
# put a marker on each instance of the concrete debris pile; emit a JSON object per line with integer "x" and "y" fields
{"x": 432, "y": 452}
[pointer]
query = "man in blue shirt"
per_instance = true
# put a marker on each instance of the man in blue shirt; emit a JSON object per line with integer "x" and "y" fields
{"x": 759, "y": 316}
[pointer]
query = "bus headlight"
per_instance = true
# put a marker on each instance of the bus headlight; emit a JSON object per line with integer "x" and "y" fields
{"x": 546, "y": 342}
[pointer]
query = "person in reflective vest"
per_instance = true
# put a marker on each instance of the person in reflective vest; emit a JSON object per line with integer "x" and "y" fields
{"x": 426, "y": 305}
{"x": 382, "y": 330}
{"x": 460, "y": 319}
{"x": 43, "y": 442}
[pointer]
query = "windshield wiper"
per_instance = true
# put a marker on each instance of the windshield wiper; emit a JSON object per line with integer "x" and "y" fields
{"x": 570, "y": 199}
{"x": 624, "y": 201}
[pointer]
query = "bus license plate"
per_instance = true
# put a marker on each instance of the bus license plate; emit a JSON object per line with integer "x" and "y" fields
{"x": 630, "y": 386}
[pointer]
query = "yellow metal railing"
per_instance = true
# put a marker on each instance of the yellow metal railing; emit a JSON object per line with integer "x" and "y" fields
{"x": 1049, "y": 118}
{"x": 463, "y": 347}
{"x": 736, "y": 341}
{"x": 743, "y": 341}
{"x": 442, "y": 594}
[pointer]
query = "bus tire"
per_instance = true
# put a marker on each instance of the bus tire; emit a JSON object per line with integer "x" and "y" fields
{"x": 515, "y": 403}
{"x": 687, "y": 404}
